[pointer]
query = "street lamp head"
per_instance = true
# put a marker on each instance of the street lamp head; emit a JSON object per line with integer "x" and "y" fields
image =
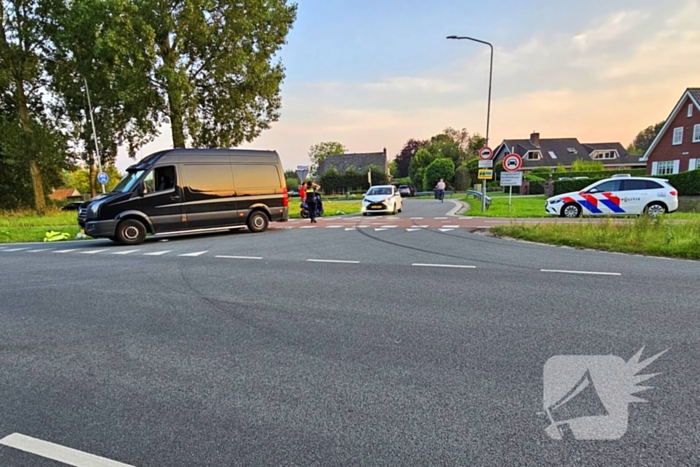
{"x": 452, "y": 37}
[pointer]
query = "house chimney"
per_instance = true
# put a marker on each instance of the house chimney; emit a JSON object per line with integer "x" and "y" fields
{"x": 535, "y": 139}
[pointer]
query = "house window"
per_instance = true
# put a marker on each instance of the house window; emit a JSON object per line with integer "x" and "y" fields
{"x": 690, "y": 110}
{"x": 534, "y": 155}
{"x": 696, "y": 133}
{"x": 678, "y": 136}
{"x": 554, "y": 156}
{"x": 665, "y": 168}
{"x": 605, "y": 155}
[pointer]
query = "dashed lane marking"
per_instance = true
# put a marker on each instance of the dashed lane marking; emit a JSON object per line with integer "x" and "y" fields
{"x": 125, "y": 252}
{"x": 17, "y": 249}
{"x": 157, "y": 253}
{"x": 459, "y": 266}
{"x": 332, "y": 261}
{"x": 238, "y": 257}
{"x": 596, "y": 273}
{"x": 92, "y": 252}
{"x": 446, "y": 230}
{"x": 334, "y": 226}
{"x": 57, "y": 452}
{"x": 65, "y": 251}
{"x": 195, "y": 254}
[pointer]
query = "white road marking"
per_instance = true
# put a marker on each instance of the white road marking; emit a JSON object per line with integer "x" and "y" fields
{"x": 332, "y": 261}
{"x": 389, "y": 226}
{"x": 334, "y": 226}
{"x": 444, "y": 266}
{"x": 57, "y": 452}
{"x": 416, "y": 218}
{"x": 450, "y": 226}
{"x": 65, "y": 251}
{"x": 439, "y": 218}
{"x": 92, "y": 252}
{"x": 238, "y": 257}
{"x": 446, "y": 230}
{"x": 380, "y": 230}
{"x": 37, "y": 251}
{"x": 196, "y": 253}
{"x": 18, "y": 249}
{"x": 421, "y": 226}
{"x": 349, "y": 228}
{"x": 157, "y": 253}
{"x": 125, "y": 252}
{"x": 361, "y": 226}
{"x": 308, "y": 227}
{"x": 582, "y": 272}
{"x": 413, "y": 230}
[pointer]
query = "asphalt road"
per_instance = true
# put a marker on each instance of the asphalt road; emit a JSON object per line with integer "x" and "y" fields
{"x": 412, "y": 347}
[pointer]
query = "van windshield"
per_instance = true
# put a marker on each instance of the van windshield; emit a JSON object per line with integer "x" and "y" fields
{"x": 127, "y": 183}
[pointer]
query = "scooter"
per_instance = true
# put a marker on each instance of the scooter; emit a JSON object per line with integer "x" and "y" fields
{"x": 319, "y": 207}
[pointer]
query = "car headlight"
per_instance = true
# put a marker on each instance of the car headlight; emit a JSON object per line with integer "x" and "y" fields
{"x": 554, "y": 201}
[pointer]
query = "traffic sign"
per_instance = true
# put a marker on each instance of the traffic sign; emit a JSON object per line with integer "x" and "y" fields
{"x": 302, "y": 172}
{"x": 485, "y": 174}
{"x": 511, "y": 178}
{"x": 512, "y": 162}
{"x": 486, "y": 164}
{"x": 485, "y": 153}
{"x": 102, "y": 178}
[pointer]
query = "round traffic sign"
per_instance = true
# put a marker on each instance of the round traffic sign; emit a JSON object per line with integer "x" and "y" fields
{"x": 486, "y": 153}
{"x": 512, "y": 162}
{"x": 102, "y": 178}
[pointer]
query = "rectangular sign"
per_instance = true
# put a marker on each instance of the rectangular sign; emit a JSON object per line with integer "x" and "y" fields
{"x": 302, "y": 167}
{"x": 511, "y": 178}
{"x": 485, "y": 174}
{"x": 486, "y": 164}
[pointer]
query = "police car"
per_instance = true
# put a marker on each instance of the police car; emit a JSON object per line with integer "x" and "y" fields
{"x": 619, "y": 195}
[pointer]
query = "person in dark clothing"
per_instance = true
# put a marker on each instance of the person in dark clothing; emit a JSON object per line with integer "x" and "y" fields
{"x": 311, "y": 189}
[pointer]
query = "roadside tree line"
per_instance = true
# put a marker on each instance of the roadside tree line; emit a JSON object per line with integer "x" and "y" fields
{"x": 207, "y": 69}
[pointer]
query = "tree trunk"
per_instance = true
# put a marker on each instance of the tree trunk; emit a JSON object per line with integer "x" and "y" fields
{"x": 34, "y": 169}
{"x": 176, "y": 122}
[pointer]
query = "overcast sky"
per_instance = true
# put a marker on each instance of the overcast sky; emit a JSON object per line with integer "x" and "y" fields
{"x": 374, "y": 73}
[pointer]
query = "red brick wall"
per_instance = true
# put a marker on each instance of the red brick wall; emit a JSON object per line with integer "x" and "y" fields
{"x": 666, "y": 151}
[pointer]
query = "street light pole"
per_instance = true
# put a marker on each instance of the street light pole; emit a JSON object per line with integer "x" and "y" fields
{"x": 488, "y": 112}
{"x": 94, "y": 133}
{"x": 92, "y": 119}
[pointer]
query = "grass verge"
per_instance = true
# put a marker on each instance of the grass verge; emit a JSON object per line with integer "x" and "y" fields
{"x": 647, "y": 236}
{"x": 330, "y": 207}
{"x": 530, "y": 207}
{"x": 26, "y": 226}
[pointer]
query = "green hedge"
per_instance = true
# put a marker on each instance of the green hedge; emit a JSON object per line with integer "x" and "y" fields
{"x": 600, "y": 173}
{"x": 687, "y": 183}
{"x": 351, "y": 180}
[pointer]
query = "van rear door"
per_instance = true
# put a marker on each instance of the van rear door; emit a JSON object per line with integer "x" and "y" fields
{"x": 209, "y": 195}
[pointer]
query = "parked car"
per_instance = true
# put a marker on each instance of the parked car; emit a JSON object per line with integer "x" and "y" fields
{"x": 382, "y": 199}
{"x": 405, "y": 190}
{"x": 618, "y": 195}
{"x": 74, "y": 206}
{"x": 190, "y": 191}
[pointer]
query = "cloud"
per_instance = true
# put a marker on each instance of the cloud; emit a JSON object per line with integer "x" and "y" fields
{"x": 607, "y": 81}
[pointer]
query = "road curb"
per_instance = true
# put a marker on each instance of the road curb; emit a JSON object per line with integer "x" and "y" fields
{"x": 460, "y": 208}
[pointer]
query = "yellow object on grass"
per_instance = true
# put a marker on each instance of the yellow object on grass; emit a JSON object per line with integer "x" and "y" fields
{"x": 56, "y": 236}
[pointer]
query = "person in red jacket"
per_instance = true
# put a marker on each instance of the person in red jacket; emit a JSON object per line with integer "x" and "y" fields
{"x": 302, "y": 192}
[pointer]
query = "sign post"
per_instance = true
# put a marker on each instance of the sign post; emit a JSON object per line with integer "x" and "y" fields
{"x": 511, "y": 164}
{"x": 302, "y": 172}
{"x": 369, "y": 177}
{"x": 485, "y": 154}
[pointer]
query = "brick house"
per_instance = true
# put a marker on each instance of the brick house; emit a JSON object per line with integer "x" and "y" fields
{"x": 539, "y": 152}
{"x": 65, "y": 194}
{"x": 677, "y": 146}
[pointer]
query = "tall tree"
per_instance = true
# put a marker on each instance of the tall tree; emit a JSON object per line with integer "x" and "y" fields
{"x": 319, "y": 151}
{"x": 403, "y": 159}
{"x": 212, "y": 64}
{"x": 20, "y": 38}
{"x": 93, "y": 42}
{"x": 645, "y": 137}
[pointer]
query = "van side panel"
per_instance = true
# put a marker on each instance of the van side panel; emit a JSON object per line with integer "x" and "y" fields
{"x": 259, "y": 186}
{"x": 209, "y": 196}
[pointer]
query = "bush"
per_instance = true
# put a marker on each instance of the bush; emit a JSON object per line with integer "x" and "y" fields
{"x": 566, "y": 186}
{"x": 442, "y": 168}
{"x": 292, "y": 183}
{"x": 463, "y": 179}
{"x": 583, "y": 165}
{"x": 599, "y": 173}
{"x": 687, "y": 183}
{"x": 350, "y": 180}
{"x": 542, "y": 172}
{"x": 536, "y": 188}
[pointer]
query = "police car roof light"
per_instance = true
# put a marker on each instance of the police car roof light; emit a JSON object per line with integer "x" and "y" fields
{"x": 621, "y": 176}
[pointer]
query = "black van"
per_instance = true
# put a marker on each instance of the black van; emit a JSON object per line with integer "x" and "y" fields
{"x": 188, "y": 191}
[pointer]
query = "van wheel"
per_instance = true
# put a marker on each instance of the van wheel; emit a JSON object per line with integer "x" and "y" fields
{"x": 131, "y": 232}
{"x": 257, "y": 222}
